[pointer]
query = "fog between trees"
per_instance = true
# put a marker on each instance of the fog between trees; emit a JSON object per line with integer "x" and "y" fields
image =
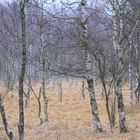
{"x": 46, "y": 42}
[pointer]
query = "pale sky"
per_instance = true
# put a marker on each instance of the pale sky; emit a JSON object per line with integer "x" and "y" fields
{"x": 54, "y": 0}
{"x": 91, "y": 2}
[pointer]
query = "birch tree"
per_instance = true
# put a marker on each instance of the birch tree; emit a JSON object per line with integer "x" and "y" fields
{"x": 118, "y": 45}
{"x": 9, "y": 132}
{"x": 88, "y": 66}
{"x": 135, "y": 4}
{"x": 43, "y": 77}
{"x": 28, "y": 73}
{"x": 22, "y": 71}
{"x": 41, "y": 23}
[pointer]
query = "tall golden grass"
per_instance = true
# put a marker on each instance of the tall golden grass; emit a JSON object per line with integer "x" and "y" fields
{"x": 70, "y": 119}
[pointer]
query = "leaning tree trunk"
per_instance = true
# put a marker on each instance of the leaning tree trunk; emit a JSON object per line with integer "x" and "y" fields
{"x": 88, "y": 66}
{"x": 117, "y": 42}
{"x": 94, "y": 107}
{"x": 122, "y": 118}
{"x": 22, "y": 72}
{"x": 5, "y": 122}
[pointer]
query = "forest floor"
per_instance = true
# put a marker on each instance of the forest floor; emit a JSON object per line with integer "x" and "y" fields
{"x": 70, "y": 119}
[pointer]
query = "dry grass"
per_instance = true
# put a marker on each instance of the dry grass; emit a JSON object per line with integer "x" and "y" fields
{"x": 70, "y": 119}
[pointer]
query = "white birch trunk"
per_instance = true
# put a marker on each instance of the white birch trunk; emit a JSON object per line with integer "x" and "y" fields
{"x": 88, "y": 74}
{"x": 43, "y": 78}
{"x": 117, "y": 42}
{"x": 42, "y": 60}
{"x": 22, "y": 71}
{"x": 5, "y": 122}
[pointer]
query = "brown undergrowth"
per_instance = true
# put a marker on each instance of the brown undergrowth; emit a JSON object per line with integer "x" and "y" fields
{"x": 70, "y": 119}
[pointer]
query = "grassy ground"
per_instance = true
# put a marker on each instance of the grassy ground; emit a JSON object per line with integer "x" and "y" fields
{"x": 70, "y": 119}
